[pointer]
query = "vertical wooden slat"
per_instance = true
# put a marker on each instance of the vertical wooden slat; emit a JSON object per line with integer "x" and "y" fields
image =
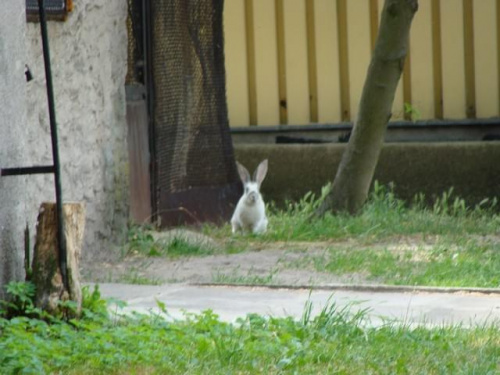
{"x": 280, "y": 38}
{"x": 498, "y": 48}
{"x": 407, "y": 83}
{"x": 266, "y": 63}
{"x": 453, "y": 61}
{"x": 296, "y": 62}
{"x": 485, "y": 58}
{"x": 311, "y": 61}
{"x": 345, "y": 103}
{"x": 328, "y": 61}
{"x": 236, "y": 66}
{"x": 373, "y": 22}
{"x": 358, "y": 50}
{"x": 470, "y": 80}
{"x": 250, "y": 40}
{"x": 139, "y": 161}
{"x": 437, "y": 59}
{"x": 422, "y": 89}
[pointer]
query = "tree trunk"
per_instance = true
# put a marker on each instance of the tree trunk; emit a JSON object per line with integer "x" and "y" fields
{"x": 356, "y": 169}
{"x": 50, "y": 289}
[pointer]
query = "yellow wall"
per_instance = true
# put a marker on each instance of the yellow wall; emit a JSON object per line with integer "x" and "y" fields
{"x": 311, "y": 74}
{"x": 421, "y": 61}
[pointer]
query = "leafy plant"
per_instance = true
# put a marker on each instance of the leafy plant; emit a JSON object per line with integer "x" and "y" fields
{"x": 92, "y": 302}
{"x": 141, "y": 241}
{"x": 411, "y": 111}
{"x": 332, "y": 341}
{"x": 20, "y": 300}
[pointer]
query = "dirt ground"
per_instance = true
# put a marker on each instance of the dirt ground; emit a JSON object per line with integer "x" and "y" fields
{"x": 262, "y": 263}
{"x": 270, "y": 266}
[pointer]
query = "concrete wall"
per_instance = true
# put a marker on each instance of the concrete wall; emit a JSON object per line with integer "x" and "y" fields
{"x": 471, "y": 168}
{"x": 12, "y": 138}
{"x": 88, "y": 54}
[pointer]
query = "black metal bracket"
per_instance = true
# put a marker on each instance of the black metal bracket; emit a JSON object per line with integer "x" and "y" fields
{"x": 55, "y": 10}
{"x": 28, "y": 170}
{"x": 56, "y": 167}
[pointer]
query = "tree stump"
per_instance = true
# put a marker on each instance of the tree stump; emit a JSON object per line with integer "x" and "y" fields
{"x": 50, "y": 289}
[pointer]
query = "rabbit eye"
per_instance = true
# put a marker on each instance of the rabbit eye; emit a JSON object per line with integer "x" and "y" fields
{"x": 246, "y": 190}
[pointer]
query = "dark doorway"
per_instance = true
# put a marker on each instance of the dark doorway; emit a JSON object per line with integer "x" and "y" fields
{"x": 193, "y": 176}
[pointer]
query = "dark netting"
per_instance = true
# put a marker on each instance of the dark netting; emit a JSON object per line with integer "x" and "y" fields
{"x": 195, "y": 174}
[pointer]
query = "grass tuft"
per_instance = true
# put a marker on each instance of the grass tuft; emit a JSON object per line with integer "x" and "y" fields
{"x": 249, "y": 279}
{"x": 384, "y": 215}
{"x": 142, "y": 241}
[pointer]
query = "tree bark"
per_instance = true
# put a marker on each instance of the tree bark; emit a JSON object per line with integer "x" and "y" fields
{"x": 356, "y": 169}
{"x": 50, "y": 289}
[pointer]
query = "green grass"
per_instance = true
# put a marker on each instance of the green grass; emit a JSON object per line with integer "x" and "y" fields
{"x": 238, "y": 279}
{"x": 383, "y": 216}
{"x": 455, "y": 244}
{"x": 141, "y": 241}
{"x": 133, "y": 276}
{"x": 450, "y": 264}
{"x": 333, "y": 342}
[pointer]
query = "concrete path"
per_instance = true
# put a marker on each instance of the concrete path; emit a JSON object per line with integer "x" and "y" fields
{"x": 229, "y": 303}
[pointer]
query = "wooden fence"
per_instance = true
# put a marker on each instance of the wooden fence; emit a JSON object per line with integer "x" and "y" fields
{"x": 305, "y": 61}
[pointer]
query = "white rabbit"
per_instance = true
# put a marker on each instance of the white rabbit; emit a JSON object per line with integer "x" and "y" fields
{"x": 250, "y": 212}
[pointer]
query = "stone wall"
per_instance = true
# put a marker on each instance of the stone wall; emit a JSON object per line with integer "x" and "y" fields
{"x": 471, "y": 168}
{"x": 88, "y": 54}
{"x": 12, "y": 139}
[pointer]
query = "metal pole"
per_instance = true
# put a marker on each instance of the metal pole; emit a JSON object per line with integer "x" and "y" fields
{"x": 61, "y": 239}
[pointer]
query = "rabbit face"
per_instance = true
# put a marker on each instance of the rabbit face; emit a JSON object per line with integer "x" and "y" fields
{"x": 252, "y": 194}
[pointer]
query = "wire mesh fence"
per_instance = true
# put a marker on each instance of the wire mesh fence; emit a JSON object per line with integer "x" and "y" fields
{"x": 194, "y": 171}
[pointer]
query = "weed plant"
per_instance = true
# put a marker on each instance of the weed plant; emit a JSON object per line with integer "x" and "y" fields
{"x": 334, "y": 341}
{"x": 141, "y": 241}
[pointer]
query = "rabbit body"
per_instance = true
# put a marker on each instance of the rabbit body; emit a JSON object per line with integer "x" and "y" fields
{"x": 250, "y": 212}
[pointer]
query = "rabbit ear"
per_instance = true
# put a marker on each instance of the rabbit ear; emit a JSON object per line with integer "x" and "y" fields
{"x": 261, "y": 172}
{"x": 243, "y": 172}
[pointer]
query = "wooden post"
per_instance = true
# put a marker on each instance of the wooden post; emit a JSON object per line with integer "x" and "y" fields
{"x": 47, "y": 277}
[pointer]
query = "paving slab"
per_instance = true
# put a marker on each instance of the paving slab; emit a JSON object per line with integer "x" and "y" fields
{"x": 232, "y": 302}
